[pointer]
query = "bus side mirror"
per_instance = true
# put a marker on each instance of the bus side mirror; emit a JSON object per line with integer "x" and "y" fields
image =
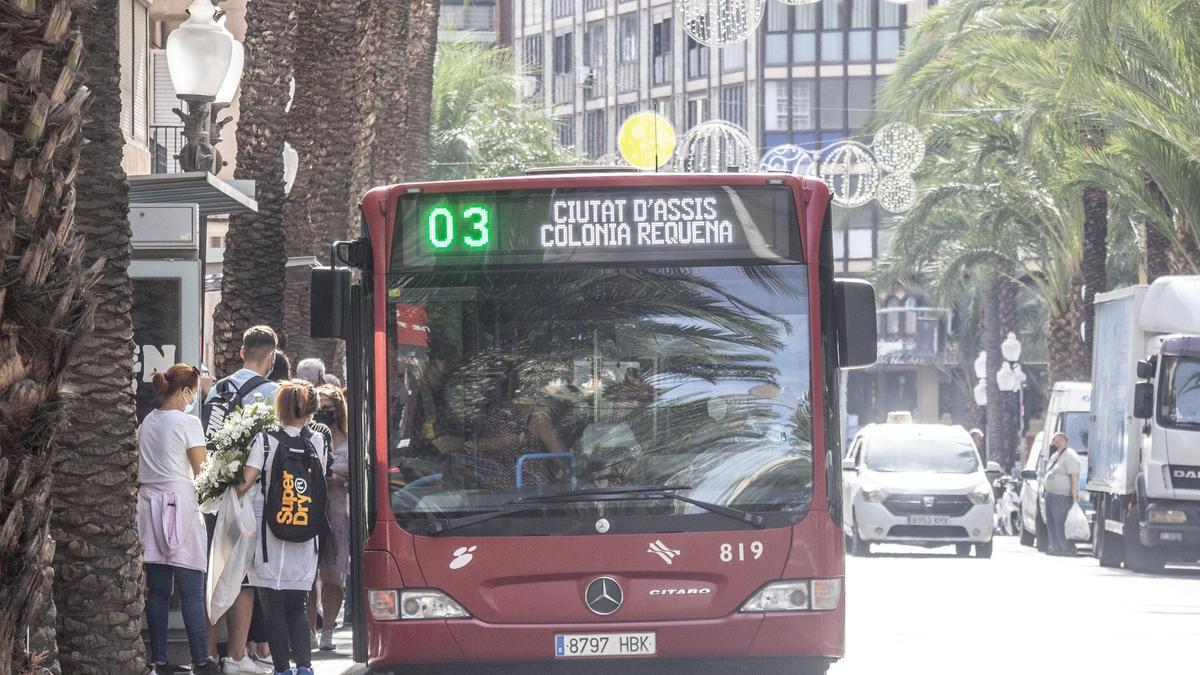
{"x": 854, "y": 322}
{"x": 329, "y": 301}
{"x": 848, "y": 465}
{"x": 1143, "y": 400}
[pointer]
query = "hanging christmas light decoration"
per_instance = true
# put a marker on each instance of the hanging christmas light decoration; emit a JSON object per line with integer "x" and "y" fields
{"x": 897, "y": 192}
{"x": 715, "y": 147}
{"x": 787, "y": 157}
{"x": 720, "y": 23}
{"x": 850, "y": 172}
{"x": 800, "y": 2}
{"x": 899, "y": 147}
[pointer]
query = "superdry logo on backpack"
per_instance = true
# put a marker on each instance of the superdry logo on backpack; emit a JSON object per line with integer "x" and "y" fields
{"x": 293, "y": 507}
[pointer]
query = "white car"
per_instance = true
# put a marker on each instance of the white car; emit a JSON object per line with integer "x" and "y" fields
{"x": 917, "y": 484}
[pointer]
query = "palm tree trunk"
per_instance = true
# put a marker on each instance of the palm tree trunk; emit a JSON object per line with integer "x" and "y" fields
{"x": 320, "y": 124}
{"x": 43, "y": 306}
{"x": 98, "y": 554}
{"x": 1003, "y": 418}
{"x": 252, "y": 287}
{"x": 1064, "y": 339}
{"x": 1095, "y": 259}
{"x": 1158, "y": 245}
{"x": 1185, "y": 258}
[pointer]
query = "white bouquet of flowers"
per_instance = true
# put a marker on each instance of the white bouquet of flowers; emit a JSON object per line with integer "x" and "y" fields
{"x": 229, "y": 449}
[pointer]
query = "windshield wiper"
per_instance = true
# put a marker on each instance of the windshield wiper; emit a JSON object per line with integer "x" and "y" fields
{"x": 596, "y": 494}
{"x": 646, "y": 492}
{"x": 524, "y": 504}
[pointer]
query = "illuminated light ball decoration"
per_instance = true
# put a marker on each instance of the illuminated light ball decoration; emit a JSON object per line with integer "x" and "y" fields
{"x": 646, "y": 140}
{"x": 899, "y": 147}
{"x": 787, "y": 157}
{"x": 715, "y": 147}
{"x": 897, "y": 192}
{"x": 851, "y": 173}
{"x": 720, "y": 23}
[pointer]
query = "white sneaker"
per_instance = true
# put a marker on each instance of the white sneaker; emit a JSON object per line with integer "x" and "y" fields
{"x": 247, "y": 665}
{"x": 326, "y": 641}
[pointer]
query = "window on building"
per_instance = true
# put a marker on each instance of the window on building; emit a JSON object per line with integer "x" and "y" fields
{"x": 563, "y": 8}
{"x": 589, "y": 5}
{"x": 832, "y": 46}
{"x": 627, "y": 53}
{"x": 733, "y": 58}
{"x": 775, "y": 50}
{"x": 833, "y": 103}
{"x": 802, "y": 105}
{"x": 733, "y": 104}
{"x": 564, "y": 127}
{"x": 806, "y": 17}
{"x": 533, "y": 12}
{"x": 697, "y": 111}
{"x": 833, "y": 15}
{"x": 661, "y": 65}
{"x": 860, "y": 13}
{"x": 859, "y": 92}
{"x": 595, "y": 134}
{"x": 564, "y": 68}
{"x": 594, "y": 45}
{"x": 665, "y": 107}
{"x": 216, "y": 241}
{"x": 859, "y": 45}
{"x": 889, "y": 14}
{"x": 697, "y": 59}
{"x": 531, "y": 54}
{"x": 777, "y": 98}
{"x": 625, "y": 111}
{"x": 134, "y": 53}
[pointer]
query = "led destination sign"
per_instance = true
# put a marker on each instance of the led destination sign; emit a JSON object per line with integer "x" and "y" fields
{"x": 611, "y": 225}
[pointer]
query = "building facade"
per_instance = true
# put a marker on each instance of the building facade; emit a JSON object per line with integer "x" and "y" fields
{"x": 808, "y": 76}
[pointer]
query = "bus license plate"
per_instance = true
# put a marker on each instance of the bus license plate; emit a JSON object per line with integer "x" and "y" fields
{"x": 604, "y": 644}
{"x": 929, "y": 520}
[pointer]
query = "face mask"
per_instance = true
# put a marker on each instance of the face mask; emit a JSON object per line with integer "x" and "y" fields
{"x": 326, "y": 417}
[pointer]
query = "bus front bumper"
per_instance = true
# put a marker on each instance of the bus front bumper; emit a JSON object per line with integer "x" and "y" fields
{"x": 815, "y": 635}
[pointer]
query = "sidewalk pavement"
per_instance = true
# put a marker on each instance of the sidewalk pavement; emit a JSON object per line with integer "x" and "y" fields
{"x": 339, "y": 661}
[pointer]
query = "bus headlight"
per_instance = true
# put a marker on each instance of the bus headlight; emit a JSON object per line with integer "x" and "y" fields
{"x": 796, "y": 595}
{"x": 389, "y": 605}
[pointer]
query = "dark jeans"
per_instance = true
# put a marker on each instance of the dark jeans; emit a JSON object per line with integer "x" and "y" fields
{"x": 1057, "y": 507}
{"x": 258, "y": 623}
{"x": 160, "y": 579}
{"x": 286, "y": 613}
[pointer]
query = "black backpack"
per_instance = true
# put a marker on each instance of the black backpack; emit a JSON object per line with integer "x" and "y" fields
{"x": 296, "y": 496}
{"x": 227, "y": 399}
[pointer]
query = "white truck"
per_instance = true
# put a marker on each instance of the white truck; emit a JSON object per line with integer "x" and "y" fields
{"x": 1144, "y": 445}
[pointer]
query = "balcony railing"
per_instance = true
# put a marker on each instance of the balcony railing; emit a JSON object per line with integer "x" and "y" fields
{"x": 165, "y": 143}
{"x": 481, "y": 18}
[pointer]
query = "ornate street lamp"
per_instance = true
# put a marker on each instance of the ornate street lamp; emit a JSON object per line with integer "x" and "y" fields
{"x": 201, "y": 57}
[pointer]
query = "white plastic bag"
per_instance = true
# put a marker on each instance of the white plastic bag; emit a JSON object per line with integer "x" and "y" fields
{"x": 1077, "y": 528}
{"x": 232, "y": 549}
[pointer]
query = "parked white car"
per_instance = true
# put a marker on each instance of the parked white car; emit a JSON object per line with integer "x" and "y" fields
{"x": 916, "y": 484}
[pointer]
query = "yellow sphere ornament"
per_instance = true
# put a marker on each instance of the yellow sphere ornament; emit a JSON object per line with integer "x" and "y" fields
{"x": 646, "y": 140}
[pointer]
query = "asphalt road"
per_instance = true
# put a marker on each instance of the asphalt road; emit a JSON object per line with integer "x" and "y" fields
{"x": 912, "y": 610}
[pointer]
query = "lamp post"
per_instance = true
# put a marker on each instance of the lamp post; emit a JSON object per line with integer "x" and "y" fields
{"x": 205, "y": 63}
{"x": 1010, "y": 379}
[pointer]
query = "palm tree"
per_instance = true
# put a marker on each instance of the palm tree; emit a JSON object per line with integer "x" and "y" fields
{"x": 317, "y": 211}
{"x": 44, "y": 308}
{"x": 98, "y": 569}
{"x": 503, "y": 138}
{"x": 252, "y": 288}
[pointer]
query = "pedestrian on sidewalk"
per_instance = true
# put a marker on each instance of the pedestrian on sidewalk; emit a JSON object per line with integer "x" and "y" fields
{"x": 283, "y": 572}
{"x": 281, "y": 368}
{"x": 1062, "y": 492}
{"x": 334, "y": 563}
{"x": 311, "y": 369}
{"x": 259, "y": 344}
{"x": 171, "y": 451}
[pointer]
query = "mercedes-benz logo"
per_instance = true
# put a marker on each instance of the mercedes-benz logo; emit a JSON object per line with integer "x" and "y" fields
{"x": 603, "y": 596}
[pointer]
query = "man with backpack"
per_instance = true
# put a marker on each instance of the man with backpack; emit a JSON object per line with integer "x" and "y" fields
{"x": 241, "y": 388}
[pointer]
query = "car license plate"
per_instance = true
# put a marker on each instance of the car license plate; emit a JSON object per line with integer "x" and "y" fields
{"x": 604, "y": 644}
{"x": 929, "y": 520}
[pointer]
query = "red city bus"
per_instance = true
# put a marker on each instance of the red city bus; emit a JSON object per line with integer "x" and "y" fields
{"x": 597, "y": 419}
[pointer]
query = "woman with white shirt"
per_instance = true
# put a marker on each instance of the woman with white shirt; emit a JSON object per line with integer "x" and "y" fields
{"x": 171, "y": 451}
{"x": 284, "y": 575}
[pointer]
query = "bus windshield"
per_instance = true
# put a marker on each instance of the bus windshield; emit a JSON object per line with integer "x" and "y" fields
{"x": 510, "y": 383}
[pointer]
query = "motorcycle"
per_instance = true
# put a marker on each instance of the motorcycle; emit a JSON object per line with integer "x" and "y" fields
{"x": 1008, "y": 506}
